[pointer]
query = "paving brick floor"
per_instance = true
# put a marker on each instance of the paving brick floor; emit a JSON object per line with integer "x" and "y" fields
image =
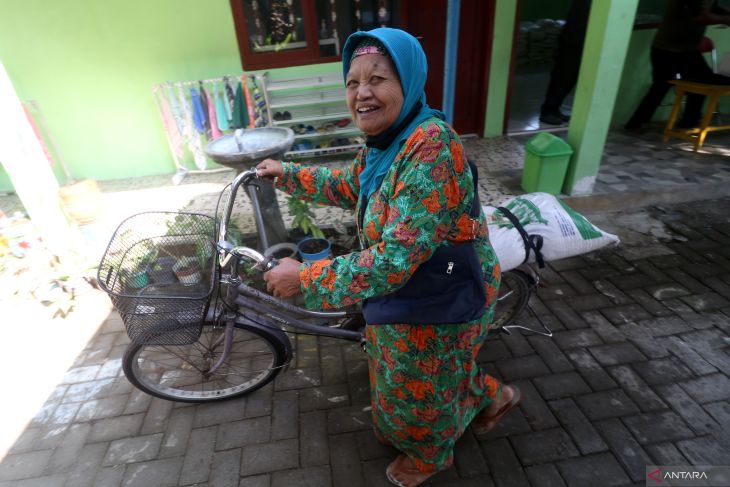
{"x": 636, "y": 374}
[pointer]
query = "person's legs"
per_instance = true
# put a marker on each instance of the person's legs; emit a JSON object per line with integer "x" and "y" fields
{"x": 490, "y": 416}
{"x": 663, "y": 70}
{"x": 426, "y": 388}
{"x": 693, "y": 67}
{"x": 563, "y": 78}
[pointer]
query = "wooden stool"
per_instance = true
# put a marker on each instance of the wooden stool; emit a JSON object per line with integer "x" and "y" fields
{"x": 696, "y": 135}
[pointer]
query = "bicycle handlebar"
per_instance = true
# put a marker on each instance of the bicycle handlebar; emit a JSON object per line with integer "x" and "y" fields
{"x": 245, "y": 178}
{"x": 263, "y": 263}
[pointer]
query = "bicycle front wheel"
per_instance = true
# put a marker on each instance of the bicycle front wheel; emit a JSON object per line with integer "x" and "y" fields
{"x": 182, "y": 372}
{"x": 514, "y": 293}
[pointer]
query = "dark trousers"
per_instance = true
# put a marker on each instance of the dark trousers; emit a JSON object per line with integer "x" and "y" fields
{"x": 564, "y": 75}
{"x": 691, "y": 66}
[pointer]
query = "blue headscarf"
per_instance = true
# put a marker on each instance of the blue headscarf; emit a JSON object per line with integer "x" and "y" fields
{"x": 410, "y": 61}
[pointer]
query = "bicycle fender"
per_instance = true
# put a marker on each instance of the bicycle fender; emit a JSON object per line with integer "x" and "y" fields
{"x": 273, "y": 332}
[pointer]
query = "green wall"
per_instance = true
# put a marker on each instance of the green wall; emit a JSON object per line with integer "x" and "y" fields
{"x": 91, "y": 65}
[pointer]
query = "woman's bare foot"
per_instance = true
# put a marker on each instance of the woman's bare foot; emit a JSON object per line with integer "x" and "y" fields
{"x": 488, "y": 418}
{"x": 403, "y": 473}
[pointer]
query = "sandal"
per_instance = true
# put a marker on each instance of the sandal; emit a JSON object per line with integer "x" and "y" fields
{"x": 407, "y": 474}
{"x": 487, "y": 424}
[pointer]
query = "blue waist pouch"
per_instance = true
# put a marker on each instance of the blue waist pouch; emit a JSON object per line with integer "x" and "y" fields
{"x": 446, "y": 289}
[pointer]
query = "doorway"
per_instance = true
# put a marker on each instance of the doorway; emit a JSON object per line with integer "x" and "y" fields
{"x": 537, "y": 42}
{"x": 427, "y": 21}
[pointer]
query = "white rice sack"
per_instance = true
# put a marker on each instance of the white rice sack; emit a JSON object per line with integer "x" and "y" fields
{"x": 564, "y": 231}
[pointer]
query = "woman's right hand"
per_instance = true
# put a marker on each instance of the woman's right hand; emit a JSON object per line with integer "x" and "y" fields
{"x": 270, "y": 168}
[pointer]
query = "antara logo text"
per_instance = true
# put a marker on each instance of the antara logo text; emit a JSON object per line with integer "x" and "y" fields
{"x": 657, "y": 476}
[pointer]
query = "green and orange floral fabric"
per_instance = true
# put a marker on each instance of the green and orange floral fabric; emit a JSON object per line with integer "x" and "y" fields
{"x": 426, "y": 387}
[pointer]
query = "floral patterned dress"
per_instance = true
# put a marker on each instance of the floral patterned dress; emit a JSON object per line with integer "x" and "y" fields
{"x": 425, "y": 384}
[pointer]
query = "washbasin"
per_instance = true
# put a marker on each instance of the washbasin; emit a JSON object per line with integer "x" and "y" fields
{"x": 244, "y": 147}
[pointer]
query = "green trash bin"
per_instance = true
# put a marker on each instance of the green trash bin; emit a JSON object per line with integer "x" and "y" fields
{"x": 546, "y": 162}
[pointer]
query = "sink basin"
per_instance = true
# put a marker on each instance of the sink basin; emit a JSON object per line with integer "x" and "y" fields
{"x": 241, "y": 149}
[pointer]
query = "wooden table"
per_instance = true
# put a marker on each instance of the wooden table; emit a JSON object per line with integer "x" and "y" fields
{"x": 698, "y": 134}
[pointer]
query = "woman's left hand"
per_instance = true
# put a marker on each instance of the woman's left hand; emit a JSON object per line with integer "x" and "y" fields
{"x": 283, "y": 280}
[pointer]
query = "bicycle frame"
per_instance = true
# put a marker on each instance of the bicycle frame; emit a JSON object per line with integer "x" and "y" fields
{"x": 252, "y": 305}
{"x": 255, "y": 307}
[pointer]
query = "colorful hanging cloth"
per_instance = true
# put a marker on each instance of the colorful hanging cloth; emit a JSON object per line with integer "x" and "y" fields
{"x": 262, "y": 120}
{"x": 214, "y": 132}
{"x": 249, "y": 104}
{"x": 230, "y": 97}
{"x": 204, "y": 103}
{"x": 197, "y": 110}
{"x": 240, "y": 115}
{"x": 171, "y": 128}
{"x": 192, "y": 136}
{"x": 177, "y": 113}
{"x": 221, "y": 113}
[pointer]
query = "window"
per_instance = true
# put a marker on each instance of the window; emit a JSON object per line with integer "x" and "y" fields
{"x": 278, "y": 33}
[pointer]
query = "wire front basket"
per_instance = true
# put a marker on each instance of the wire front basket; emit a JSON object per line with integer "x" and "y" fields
{"x": 160, "y": 271}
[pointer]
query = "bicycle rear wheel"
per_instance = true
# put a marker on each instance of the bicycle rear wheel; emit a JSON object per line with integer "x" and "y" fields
{"x": 514, "y": 293}
{"x": 181, "y": 372}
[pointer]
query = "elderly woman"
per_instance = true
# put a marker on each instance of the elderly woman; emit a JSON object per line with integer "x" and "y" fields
{"x": 426, "y": 273}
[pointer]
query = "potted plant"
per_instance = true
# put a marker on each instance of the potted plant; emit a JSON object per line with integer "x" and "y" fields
{"x": 203, "y": 252}
{"x": 134, "y": 279}
{"x": 187, "y": 269}
{"x": 303, "y": 217}
{"x": 183, "y": 237}
{"x": 161, "y": 270}
{"x": 134, "y": 273}
{"x": 316, "y": 246}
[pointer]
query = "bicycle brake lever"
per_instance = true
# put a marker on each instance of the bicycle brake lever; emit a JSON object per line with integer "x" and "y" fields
{"x": 271, "y": 264}
{"x": 267, "y": 264}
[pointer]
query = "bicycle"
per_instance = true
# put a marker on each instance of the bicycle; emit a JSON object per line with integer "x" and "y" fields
{"x": 220, "y": 338}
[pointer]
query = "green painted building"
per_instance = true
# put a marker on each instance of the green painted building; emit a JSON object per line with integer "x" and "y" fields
{"x": 90, "y": 66}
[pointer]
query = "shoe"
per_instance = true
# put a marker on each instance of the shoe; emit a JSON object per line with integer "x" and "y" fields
{"x": 484, "y": 424}
{"x": 553, "y": 118}
{"x": 286, "y": 116}
{"x": 402, "y": 473}
{"x": 344, "y": 122}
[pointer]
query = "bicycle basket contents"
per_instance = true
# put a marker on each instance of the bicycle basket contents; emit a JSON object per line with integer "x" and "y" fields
{"x": 159, "y": 271}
